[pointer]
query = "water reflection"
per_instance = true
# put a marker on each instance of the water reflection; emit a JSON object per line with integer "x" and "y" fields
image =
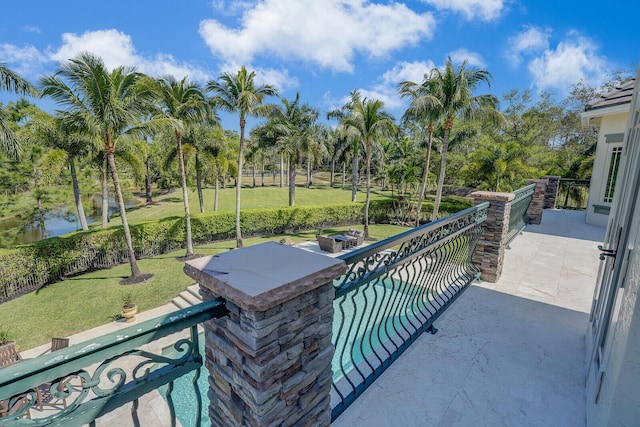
{"x": 61, "y": 220}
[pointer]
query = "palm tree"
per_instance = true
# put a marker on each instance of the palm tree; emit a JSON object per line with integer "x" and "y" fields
{"x": 239, "y": 94}
{"x": 12, "y": 82}
{"x": 296, "y": 133}
{"x": 354, "y": 144}
{"x": 454, "y": 91}
{"x": 367, "y": 122}
{"x": 426, "y": 108}
{"x": 185, "y": 102}
{"x": 70, "y": 143}
{"x": 109, "y": 106}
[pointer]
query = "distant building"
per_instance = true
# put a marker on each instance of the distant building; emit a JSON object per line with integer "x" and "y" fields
{"x": 609, "y": 114}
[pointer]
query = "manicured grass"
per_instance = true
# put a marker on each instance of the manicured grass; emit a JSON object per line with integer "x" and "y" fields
{"x": 170, "y": 204}
{"x": 90, "y": 300}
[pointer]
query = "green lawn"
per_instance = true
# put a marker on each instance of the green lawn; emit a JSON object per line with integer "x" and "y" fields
{"x": 90, "y": 300}
{"x": 170, "y": 204}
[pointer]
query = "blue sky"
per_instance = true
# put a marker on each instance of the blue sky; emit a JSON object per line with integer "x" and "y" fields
{"x": 326, "y": 48}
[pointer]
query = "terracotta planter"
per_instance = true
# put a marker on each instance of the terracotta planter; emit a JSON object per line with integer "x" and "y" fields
{"x": 129, "y": 312}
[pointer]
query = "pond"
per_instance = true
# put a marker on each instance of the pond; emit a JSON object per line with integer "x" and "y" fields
{"x": 62, "y": 220}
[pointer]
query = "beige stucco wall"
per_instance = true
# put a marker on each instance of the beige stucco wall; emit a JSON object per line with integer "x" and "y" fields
{"x": 609, "y": 124}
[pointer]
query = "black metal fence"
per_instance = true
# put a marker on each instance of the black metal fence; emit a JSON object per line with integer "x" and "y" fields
{"x": 573, "y": 194}
{"x": 392, "y": 292}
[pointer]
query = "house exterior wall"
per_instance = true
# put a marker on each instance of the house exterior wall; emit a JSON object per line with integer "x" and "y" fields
{"x": 619, "y": 401}
{"x": 597, "y": 207}
{"x": 613, "y": 376}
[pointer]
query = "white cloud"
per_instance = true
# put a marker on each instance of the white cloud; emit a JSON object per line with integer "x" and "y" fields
{"x": 326, "y": 32}
{"x": 117, "y": 48}
{"x": 485, "y": 10}
{"x": 25, "y": 60}
{"x": 407, "y": 71}
{"x": 570, "y": 62}
{"x": 473, "y": 58}
{"x": 386, "y": 88}
{"x": 31, "y": 29}
{"x": 530, "y": 40}
{"x": 231, "y": 7}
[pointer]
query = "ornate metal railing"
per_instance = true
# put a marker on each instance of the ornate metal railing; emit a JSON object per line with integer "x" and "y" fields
{"x": 95, "y": 377}
{"x": 573, "y": 194}
{"x": 518, "y": 218}
{"x": 392, "y": 292}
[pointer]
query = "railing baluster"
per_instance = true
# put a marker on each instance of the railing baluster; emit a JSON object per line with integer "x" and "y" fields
{"x": 393, "y": 291}
{"x": 170, "y": 404}
{"x": 134, "y": 412}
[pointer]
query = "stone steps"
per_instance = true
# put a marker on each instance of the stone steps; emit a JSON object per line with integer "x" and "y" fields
{"x": 187, "y": 298}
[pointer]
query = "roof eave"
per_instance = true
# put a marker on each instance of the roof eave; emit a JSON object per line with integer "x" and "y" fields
{"x": 609, "y": 110}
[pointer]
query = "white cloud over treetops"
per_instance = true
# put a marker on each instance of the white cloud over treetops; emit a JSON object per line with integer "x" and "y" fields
{"x": 484, "y": 10}
{"x": 531, "y": 40}
{"x": 28, "y": 58}
{"x": 116, "y": 49}
{"x": 386, "y": 89}
{"x": 473, "y": 58}
{"x": 325, "y": 32}
{"x": 570, "y": 61}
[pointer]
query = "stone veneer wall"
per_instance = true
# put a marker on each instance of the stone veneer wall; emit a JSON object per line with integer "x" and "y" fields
{"x": 489, "y": 252}
{"x": 551, "y": 193}
{"x": 270, "y": 359}
{"x": 537, "y": 203}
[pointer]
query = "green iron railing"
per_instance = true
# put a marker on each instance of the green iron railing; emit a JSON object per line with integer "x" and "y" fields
{"x": 518, "y": 218}
{"x": 392, "y": 292}
{"x": 95, "y": 377}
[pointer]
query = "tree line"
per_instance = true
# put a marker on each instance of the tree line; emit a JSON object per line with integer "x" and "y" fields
{"x": 163, "y": 129}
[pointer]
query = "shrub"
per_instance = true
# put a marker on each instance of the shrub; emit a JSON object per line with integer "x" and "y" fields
{"x": 28, "y": 267}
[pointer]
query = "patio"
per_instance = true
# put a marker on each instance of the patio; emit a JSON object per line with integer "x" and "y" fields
{"x": 507, "y": 353}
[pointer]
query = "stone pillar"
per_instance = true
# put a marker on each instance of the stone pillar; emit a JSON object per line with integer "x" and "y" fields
{"x": 551, "y": 193}
{"x": 489, "y": 253}
{"x": 537, "y": 203}
{"x": 270, "y": 358}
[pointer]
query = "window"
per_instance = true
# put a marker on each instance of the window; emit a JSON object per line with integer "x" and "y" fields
{"x": 614, "y": 163}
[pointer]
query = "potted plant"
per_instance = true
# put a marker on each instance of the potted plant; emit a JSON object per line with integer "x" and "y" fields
{"x": 129, "y": 308}
{"x": 4, "y": 336}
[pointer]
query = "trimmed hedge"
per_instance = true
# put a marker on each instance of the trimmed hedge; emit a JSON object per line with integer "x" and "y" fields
{"x": 28, "y": 267}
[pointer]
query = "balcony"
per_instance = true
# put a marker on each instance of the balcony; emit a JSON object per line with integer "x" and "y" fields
{"x": 506, "y": 353}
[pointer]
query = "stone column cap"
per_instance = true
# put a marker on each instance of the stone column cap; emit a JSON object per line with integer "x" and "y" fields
{"x": 263, "y": 276}
{"x": 491, "y": 195}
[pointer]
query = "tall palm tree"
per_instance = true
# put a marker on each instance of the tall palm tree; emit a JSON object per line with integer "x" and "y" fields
{"x": 109, "y": 106}
{"x": 71, "y": 143}
{"x": 454, "y": 91}
{"x": 348, "y": 142}
{"x": 12, "y": 82}
{"x": 239, "y": 94}
{"x": 426, "y": 108}
{"x": 185, "y": 102}
{"x": 297, "y": 133}
{"x": 367, "y": 122}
